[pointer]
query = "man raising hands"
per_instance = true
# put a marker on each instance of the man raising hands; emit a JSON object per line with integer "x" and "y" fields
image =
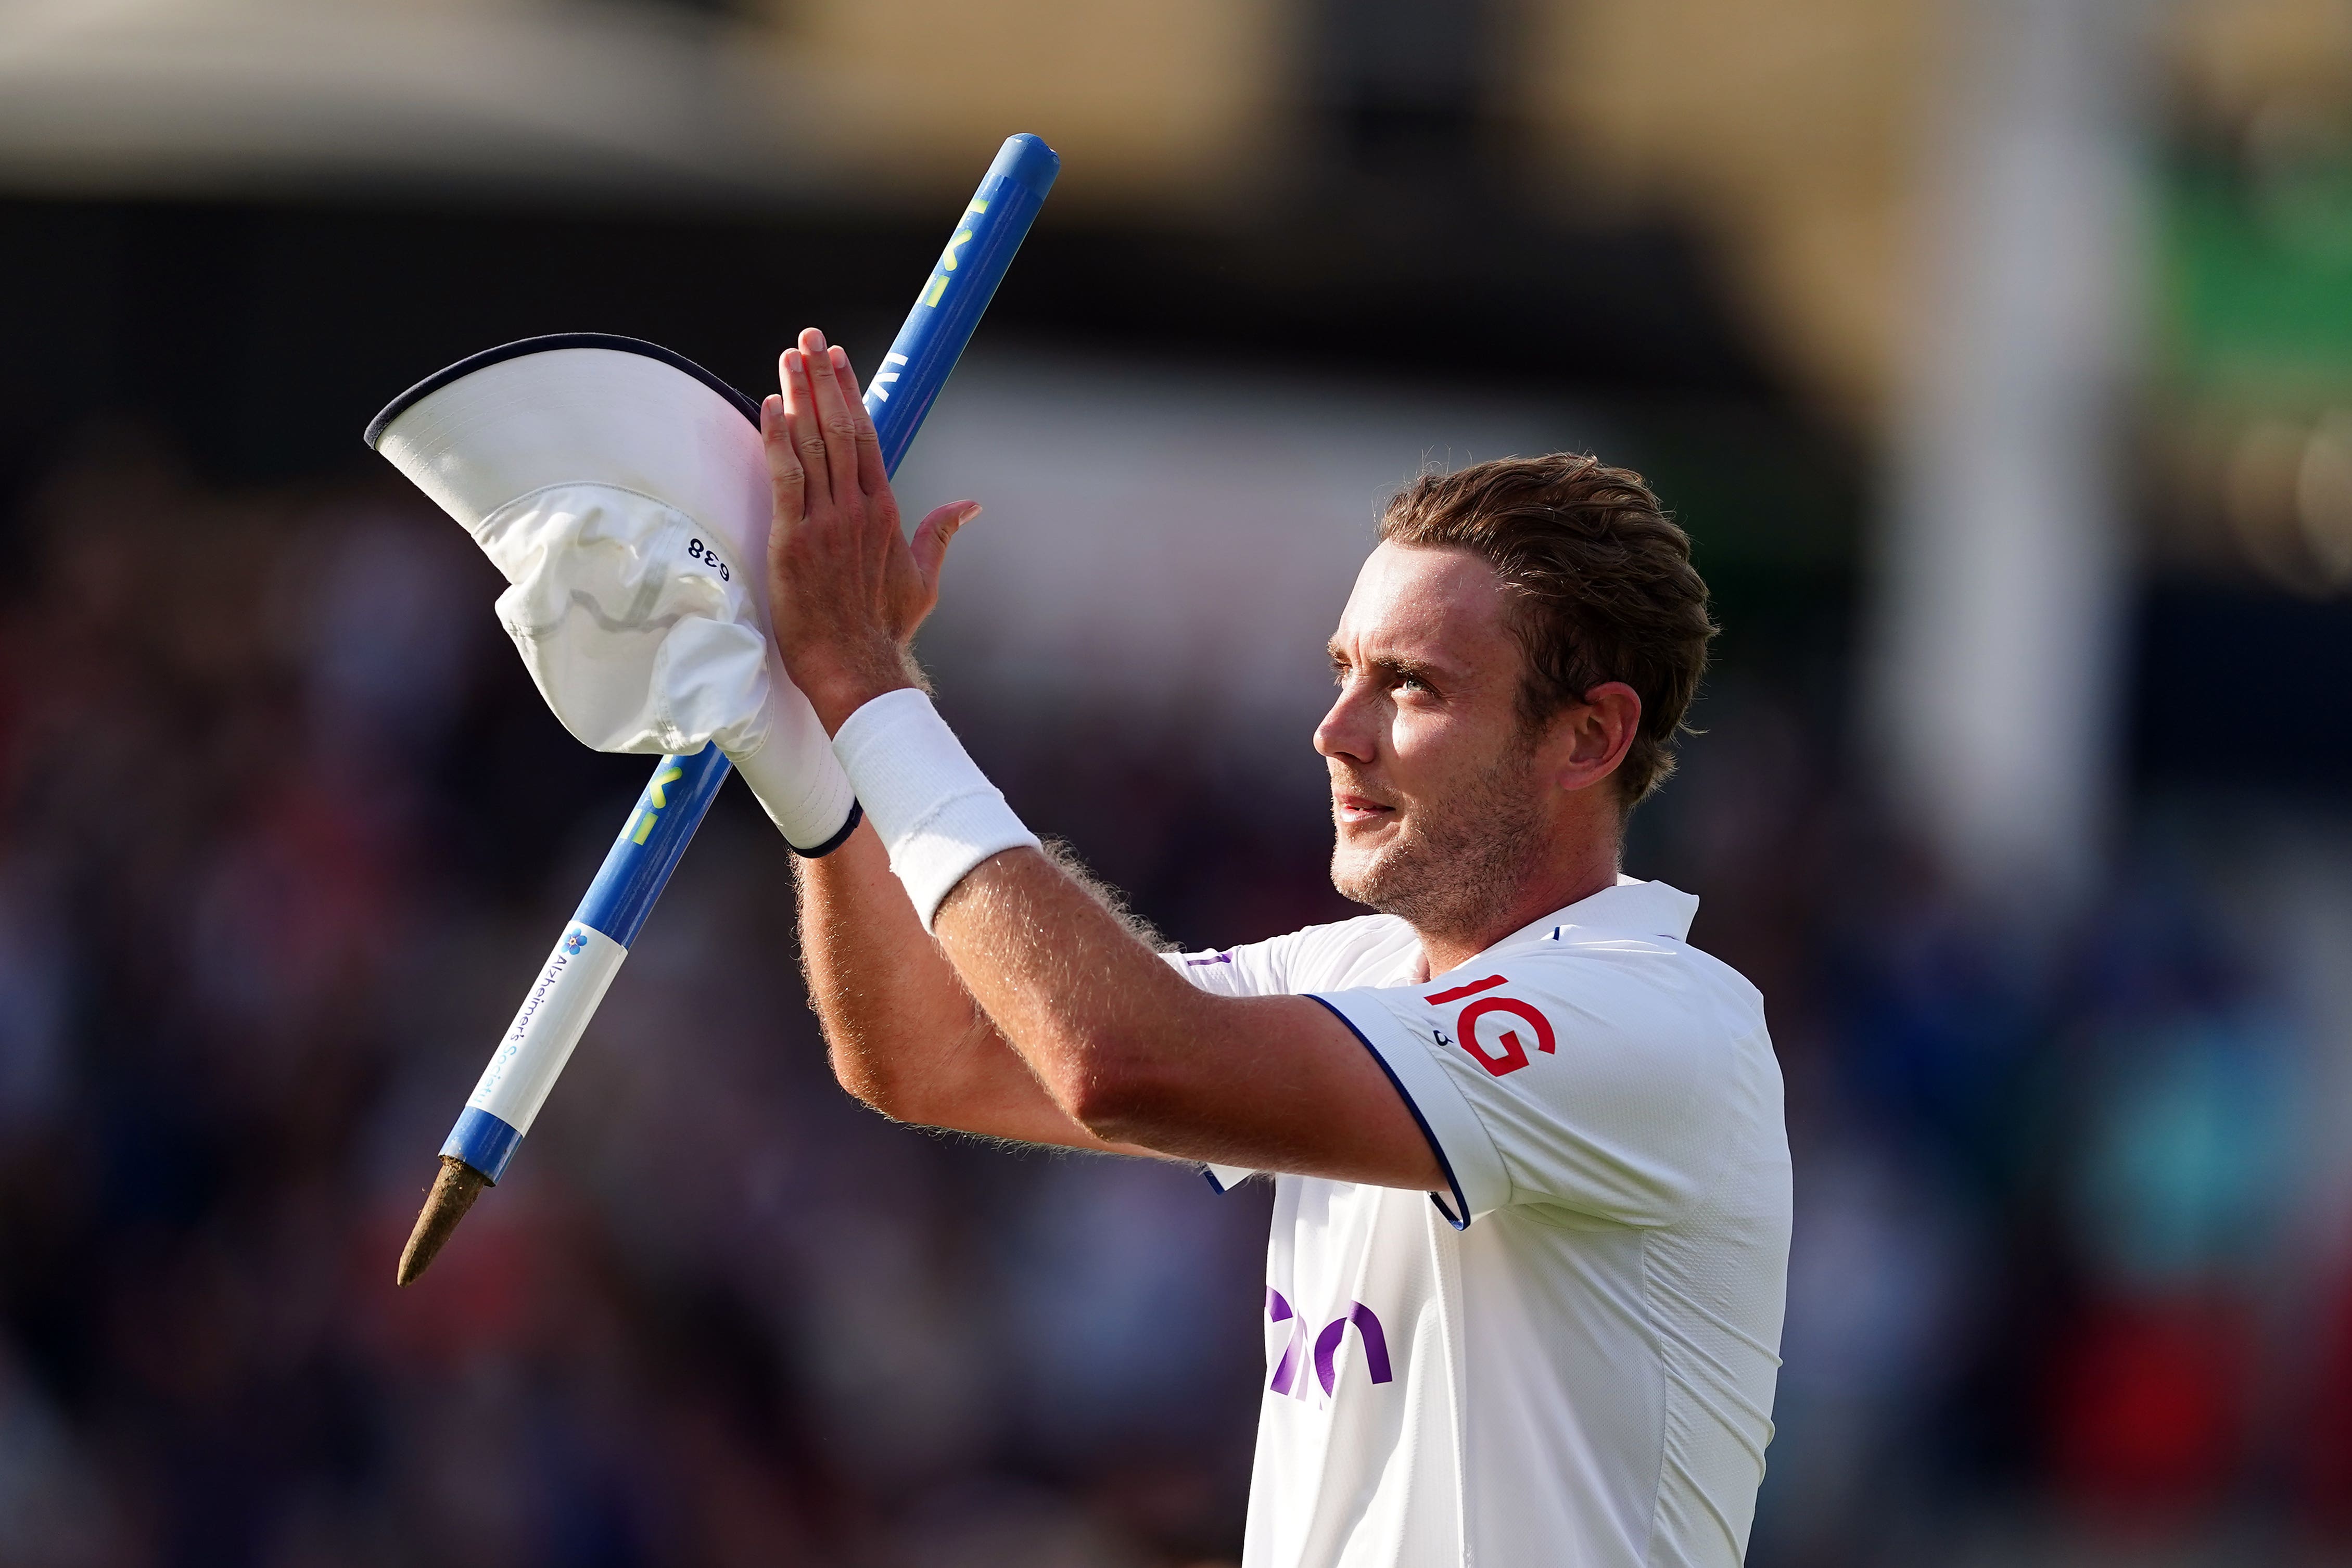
{"x": 1531, "y": 1216}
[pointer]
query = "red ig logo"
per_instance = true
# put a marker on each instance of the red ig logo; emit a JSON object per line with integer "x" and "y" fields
{"x": 1512, "y": 1053}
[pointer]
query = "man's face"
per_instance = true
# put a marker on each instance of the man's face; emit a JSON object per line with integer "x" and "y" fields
{"x": 1436, "y": 796}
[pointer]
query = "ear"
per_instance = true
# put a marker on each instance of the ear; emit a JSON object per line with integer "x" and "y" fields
{"x": 1588, "y": 740}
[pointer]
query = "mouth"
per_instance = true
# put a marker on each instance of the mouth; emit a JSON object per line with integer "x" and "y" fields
{"x": 1351, "y": 809}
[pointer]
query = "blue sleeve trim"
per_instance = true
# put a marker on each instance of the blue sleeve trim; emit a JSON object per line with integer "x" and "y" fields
{"x": 1222, "y": 1179}
{"x": 1458, "y": 1216}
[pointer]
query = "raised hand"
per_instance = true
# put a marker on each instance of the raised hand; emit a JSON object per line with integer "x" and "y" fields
{"x": 847, "y": 589}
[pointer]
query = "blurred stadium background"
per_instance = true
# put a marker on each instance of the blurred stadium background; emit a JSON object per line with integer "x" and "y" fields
{"x": 1997, "y": 354}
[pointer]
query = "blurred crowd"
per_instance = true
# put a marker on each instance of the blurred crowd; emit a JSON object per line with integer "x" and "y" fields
{"x": 287, "y": 831}
{"x": 283, "y": 829}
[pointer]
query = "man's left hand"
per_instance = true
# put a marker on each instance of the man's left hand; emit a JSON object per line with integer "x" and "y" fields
{"x": 845, "y": 588}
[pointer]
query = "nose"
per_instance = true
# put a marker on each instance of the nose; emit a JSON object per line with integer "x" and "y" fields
{"x": 1347, "y": 731}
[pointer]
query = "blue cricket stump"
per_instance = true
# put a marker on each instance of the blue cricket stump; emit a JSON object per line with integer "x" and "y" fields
{"x": 569, "y": 986}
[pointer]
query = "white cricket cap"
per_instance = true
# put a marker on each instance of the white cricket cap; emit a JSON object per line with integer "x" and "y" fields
{"x": 623, "y": 490}
{"x": 585, "y": 408}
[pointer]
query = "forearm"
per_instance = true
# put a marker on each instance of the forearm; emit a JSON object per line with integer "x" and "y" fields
{"x": 1068, "y": 984}
{"x": 893, "y": 1014}
{"x": 1126, "y": 1048}
{"x": 903, "y": 1033}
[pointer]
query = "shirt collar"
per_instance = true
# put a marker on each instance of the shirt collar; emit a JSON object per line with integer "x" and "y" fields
{"x": 1632, "y": 908}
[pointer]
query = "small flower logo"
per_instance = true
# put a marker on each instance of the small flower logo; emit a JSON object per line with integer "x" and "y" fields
{"x": 577, "y": 943}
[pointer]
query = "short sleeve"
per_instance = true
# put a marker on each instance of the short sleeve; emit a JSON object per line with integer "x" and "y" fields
{"x": 1300, "y": 961}
{"x": 1588, "y": 1080}
{"x": 1247, "y": 971}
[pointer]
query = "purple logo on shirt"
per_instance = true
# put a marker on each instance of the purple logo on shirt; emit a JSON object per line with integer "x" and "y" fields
{"x": 1219, "y": 958}
{"x": 1286, "y": 1380}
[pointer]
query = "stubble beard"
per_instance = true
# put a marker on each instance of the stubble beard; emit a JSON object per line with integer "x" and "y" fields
{"x": 1457, "y": 861}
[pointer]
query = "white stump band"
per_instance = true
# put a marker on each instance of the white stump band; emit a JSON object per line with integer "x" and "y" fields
{"x": 539, "y": 1042}
{"x": 795, "y": 778}
{"x": 935, "y": 810}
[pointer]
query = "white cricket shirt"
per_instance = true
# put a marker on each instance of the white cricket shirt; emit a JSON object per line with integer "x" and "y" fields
{"x": 1568, "y": 1357}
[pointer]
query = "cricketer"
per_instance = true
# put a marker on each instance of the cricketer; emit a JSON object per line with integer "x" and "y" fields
{"x": 1532, "y": 1192}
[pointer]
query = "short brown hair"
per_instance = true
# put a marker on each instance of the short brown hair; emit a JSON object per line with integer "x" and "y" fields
{"x": 1602, "y": 579}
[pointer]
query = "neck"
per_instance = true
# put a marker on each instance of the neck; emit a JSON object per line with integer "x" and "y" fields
{"x": 1586, "y": 869}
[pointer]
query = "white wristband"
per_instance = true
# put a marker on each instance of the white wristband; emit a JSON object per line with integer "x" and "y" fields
{"x": 934, "y": 809}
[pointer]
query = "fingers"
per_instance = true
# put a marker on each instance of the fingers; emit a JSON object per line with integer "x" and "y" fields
{"x": 803, "y": 433}
{"x": 872, "y": 478}
{"x": 786, "y": 478}
{"x": 932, "y": 534}
{"x": 833, "y": 418}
